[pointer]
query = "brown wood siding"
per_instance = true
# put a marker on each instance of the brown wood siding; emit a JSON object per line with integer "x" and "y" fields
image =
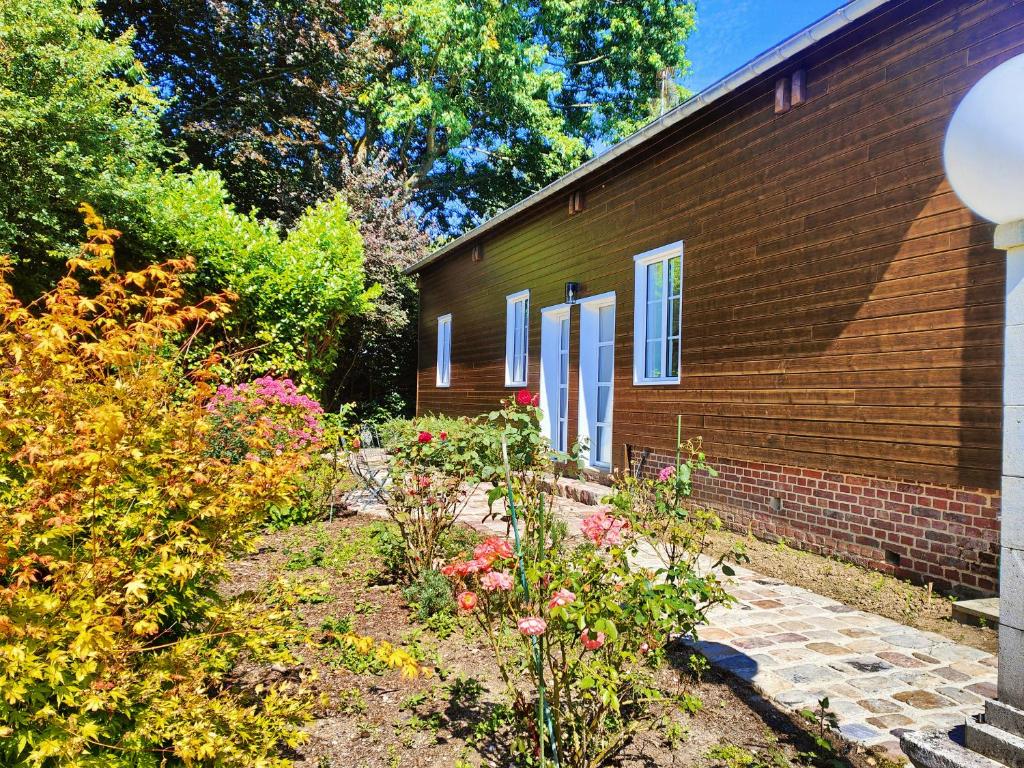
{"x": 842, "y": 310}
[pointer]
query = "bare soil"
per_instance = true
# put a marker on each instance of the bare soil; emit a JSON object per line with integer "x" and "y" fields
{"x": 451, "y": 717}
{"x": 860, "y": 588}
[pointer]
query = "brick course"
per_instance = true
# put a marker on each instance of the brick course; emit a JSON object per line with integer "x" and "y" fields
{"x": 925, "y": 533}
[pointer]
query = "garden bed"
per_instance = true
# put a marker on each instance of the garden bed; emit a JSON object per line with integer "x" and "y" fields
{"x": 454, "y": 716}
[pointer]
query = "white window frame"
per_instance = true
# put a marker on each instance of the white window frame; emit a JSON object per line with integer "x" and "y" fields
{"x": 511, "y": 302}
{"x": 590, "y": 308}
{"x": 444, "y": 350}
{"x": 641, "y": 261}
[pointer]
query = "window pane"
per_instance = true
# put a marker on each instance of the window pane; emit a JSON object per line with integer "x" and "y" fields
{"x": 598, "y": 454}
{"x": 565, "y": 334}
{"x": 652, "y": 359}
{"x": 564, "y": 369}
{"x": 604, "y": 363}
{"x": 604, "y": 396}
{"x": 675, "y": 276}
{"x": 606, "y": 322}
{"x": 655, "y": 296}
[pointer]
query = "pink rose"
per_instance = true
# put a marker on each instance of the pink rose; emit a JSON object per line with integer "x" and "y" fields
{"x": 666, "y": 473}
{"x": 467, "y": 601}
{"x": 493, "y": 549}
{"x": 496, "y": 581}
{"x": 592, "y": 643}
{"x": 532, "y": 626}
{"x": 560, "y": 599}
{"x": 604, "y": 529}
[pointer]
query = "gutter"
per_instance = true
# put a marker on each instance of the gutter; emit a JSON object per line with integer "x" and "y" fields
{"x": 784, "y": 51}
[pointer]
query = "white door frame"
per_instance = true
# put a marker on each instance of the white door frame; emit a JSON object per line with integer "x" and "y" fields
{"x": 589, "y": 318}
{"x": 550, "y": 369}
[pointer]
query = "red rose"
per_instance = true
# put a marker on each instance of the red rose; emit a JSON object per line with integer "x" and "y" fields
{"x": 535, "y": 401}
{"x": 523, "y": 397}
{"x": 443, "y": 436}
{"x": 425, "y": 437}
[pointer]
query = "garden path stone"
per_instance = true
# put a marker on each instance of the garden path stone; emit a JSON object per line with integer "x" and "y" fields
{"x": 886, "y": 674}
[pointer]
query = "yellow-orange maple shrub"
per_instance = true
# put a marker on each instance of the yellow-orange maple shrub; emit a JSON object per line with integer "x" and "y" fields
{"x": 115, "y": 526}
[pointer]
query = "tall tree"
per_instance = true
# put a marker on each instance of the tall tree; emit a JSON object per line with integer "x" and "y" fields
{"x": 79, "y": 122}
{"x": 475, "y": 102}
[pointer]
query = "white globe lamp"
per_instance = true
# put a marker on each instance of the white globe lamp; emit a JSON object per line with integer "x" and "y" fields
{"x": 984, "y": 150}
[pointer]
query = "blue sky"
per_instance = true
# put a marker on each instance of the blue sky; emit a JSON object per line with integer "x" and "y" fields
{"x": 732, "y": 32}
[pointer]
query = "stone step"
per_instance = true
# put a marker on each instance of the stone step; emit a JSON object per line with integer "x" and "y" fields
{"x": 983, "y": 611}
{"x": 580, "y": 491}
{"x": 1004, "y": 717}
{"x": 934, "y": 749}
{"x": 1003, "y": 747}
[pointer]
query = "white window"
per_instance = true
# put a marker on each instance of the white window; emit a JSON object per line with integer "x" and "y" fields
{"x": 658, "y": 315}
{"x": 517, "y": 335}
{"x": 444, "y": 351}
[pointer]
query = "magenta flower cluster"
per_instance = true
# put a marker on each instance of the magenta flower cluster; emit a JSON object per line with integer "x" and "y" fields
{"x": 292, "y": 418}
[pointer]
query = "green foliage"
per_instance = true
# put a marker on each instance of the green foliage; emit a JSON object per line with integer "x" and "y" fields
{"x": 80, "y": 121}
{"x": 346, "y": 655}
{"x": 430, "y": 595}
{"x": 294, "y": 293}
{"x": 478, "y": 103}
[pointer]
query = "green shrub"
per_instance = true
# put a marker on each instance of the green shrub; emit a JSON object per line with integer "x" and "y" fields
{"x": 429, "y": 595}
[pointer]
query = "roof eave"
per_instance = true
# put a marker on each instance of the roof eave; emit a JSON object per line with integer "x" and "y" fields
{"x": 776, "y": 55}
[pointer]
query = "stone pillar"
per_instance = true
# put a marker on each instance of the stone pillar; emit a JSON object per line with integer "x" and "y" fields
{"x": 1010, "y": 237}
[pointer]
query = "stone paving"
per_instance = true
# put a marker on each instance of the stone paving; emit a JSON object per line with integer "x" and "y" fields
{"x": 795, "y": 647}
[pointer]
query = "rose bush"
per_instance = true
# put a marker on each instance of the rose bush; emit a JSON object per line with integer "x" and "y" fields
{"x": 585, "y": 625}
{"x": 429, "y": 485}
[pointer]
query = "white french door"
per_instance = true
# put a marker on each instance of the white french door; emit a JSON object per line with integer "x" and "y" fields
{"x": 554, "y": 375}
{"x": 597, "y": 378}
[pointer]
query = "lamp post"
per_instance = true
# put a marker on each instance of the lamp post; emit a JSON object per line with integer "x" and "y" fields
{"x": 984, "y": 157}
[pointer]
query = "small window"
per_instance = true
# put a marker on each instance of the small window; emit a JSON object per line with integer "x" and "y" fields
{"x": 444, "y": 351}
{"x": 658, "y": 315}
{"x": 517, "y": 335}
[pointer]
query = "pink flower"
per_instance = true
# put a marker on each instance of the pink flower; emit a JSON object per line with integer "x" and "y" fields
{"x": 467, "y": 601}
{"x": 493, "y": 549}
{"x": 666, "y": 473}
{"x": 425, "y": 437}
{"x": 496, "y": 581}
{"x": 424, "y": 481}
{"x": 604, "y": 529}
{"x": 531, "y": 626}
{"x": 592, "y": 643}
{"x": 560, "y": 599}
{"x": 460, "y": 569}
{"x": 477, "y": 566}
{"x": 524, "y": 397}
{"x": 644, "y": 649}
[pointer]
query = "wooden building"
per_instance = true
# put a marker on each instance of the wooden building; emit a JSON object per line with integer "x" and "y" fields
{"x": 780, "y": 261}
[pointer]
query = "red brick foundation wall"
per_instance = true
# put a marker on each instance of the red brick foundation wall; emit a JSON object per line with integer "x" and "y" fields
{"x": 925, "y": 533}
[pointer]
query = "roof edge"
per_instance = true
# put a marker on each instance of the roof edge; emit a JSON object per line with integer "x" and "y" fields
{"x": 774, "y": 56}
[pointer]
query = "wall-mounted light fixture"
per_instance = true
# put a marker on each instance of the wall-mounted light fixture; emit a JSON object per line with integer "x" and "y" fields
{"x": 572, "y": 293}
